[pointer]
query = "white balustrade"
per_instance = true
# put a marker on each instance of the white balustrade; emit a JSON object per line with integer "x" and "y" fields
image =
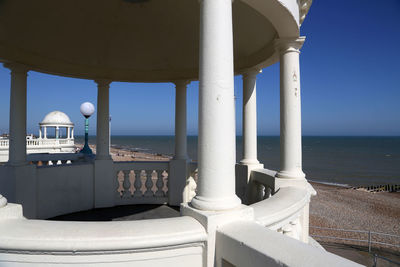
{"x": 141, "y": 182}
{"x": 33, "y": 146}
{"x": 286, "y": 210}
{"x": 41, "y": 142}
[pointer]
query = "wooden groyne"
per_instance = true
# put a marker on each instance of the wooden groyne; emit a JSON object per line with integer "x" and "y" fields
{"x": 379, "y": 188}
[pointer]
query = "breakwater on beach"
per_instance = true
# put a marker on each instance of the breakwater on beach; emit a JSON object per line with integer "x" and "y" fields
{"x": 354, "y": 161}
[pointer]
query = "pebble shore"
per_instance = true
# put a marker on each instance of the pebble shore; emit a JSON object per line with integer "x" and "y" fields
{"x": 347, "y": 208}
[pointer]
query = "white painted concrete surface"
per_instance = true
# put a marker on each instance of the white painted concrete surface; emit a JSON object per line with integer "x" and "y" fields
{"x": 216, "y": 148}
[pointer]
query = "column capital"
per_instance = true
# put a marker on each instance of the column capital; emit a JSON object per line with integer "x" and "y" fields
{"x": 251, "y": 72}
{"x": 103, "y": 82}
{"x": 16, "y": 67}
{"x": 285, "y": 45}
{"x": 180, "y": 83}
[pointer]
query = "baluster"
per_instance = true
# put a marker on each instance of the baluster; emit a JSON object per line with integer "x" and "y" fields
{"x": 165, "y": 180}
{"x": 50, "y": 163}
{"x": 132, "y": 177}
{"x": 160, "y": 185}
{"x": 149, "y": 184}
{"x": 126, "y": 182}
{"x": 138, "y": 184}
{"x": 120, "y": 179}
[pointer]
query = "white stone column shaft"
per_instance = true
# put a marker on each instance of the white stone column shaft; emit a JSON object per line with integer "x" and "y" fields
{"x": 45, "y": 132}
{"x": 68, "y": 132}
{"x": 250, "y": 118}
{"x": 216, "y": 148}
{"x": 103, "y": 116}
{"x": 290, "y": 109}
{"x": 72, "y": 133}
{"x": 57, "y": 132}
{"x": 17, "y": 143}
{"x": 180, "y": 120}
{"x": 40, "y": 132}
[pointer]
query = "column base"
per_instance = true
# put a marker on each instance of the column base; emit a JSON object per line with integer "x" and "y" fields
{"x": 299, "y": 174}
{"x": 249, "y": 162}
{"x": 212, "y": 220}
{"x": 215, "y": 204}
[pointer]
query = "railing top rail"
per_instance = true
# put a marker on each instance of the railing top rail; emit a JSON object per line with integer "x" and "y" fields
{"x": 386, "y": 244}
{"x": 143, "y": 165}
{"x": 340, "y": 238}
{"x": 44, "y": 236}
{"x": 356, "y": 240}
{"x": 352, "y": 230}
{"x": 339, "y": 229}
{"x": 288, "y": 201}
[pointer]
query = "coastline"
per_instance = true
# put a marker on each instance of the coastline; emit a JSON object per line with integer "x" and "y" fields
{"x": 121, "y": 154}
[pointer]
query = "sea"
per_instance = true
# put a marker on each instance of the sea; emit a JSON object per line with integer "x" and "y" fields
{"x": 354, "y": 161}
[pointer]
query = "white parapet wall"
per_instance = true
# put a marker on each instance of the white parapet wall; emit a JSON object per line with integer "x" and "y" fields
{"x": 164, "y": 242}
{"x": 246, "y": 243}
{"x": 274, "y": 231}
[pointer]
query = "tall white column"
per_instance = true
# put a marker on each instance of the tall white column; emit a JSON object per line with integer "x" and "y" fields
{"x": 17, "y": 145}
{"x": 216, "y": 148}
{"x": 68, "y": 132}
{"x": 103, "y": 116}
{"x": 180, "y": 120}
{"x": 290, "y": 109}
{"x": 250, "y": 118}
{"x": 40, "y": 132}
{"x": 72, "y": 133}
{"x": 45, "y": 132}
{"x": 57, "y": 132}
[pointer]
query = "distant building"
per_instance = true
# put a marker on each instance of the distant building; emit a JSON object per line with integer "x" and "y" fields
{"x": 62, "y": 141}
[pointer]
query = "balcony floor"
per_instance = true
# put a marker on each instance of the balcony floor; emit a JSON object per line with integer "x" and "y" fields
{"x": 122, "y": 213}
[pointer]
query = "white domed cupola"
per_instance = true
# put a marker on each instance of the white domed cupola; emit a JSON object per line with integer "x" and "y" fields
{"x": 58, "y": 120}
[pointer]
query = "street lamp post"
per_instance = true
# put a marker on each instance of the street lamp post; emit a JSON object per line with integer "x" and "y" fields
{"x": 87, "y": 109}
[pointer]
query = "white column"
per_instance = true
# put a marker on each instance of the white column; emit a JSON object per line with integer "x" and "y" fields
{"x": 250, "y": 118}
{"x": 57, "y": 132}
{"x": 45, "y": 132}
{"x": 103, "y": 116}
{"x": 68, "y": 132}
{"x": 40, "y": 132}
{"x": 216, "y": 149}
{"x": 17, "y": 145}
{"x": 180, "y": 120}
{"x": 290, "y": 109}
{"x": 72, "y": 133}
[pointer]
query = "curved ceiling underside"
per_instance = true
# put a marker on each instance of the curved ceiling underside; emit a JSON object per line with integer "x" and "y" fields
{"x": 122, "y": 40}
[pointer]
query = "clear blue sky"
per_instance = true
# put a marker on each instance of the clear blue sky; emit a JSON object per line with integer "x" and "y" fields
{"x": 350, "y": 70}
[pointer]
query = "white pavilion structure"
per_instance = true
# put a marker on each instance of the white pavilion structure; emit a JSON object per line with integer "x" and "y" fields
{"x": 45, "y": 144}
{"x": 57, "y": 120}
{"x": 242, "y": 213}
